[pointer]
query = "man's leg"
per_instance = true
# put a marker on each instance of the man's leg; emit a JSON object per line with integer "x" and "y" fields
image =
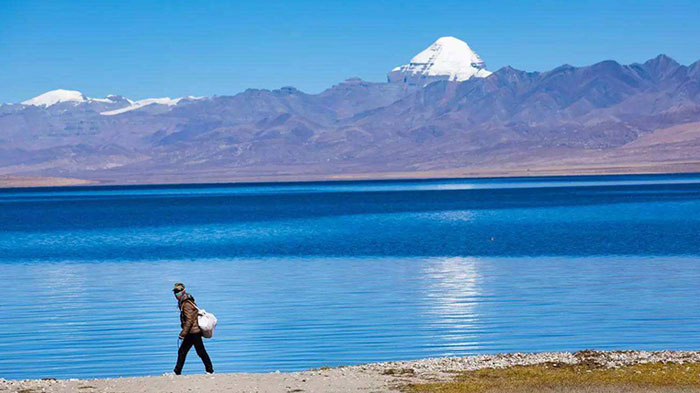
{"x": 202, "y": 353}
{"x": 182, "y": 353}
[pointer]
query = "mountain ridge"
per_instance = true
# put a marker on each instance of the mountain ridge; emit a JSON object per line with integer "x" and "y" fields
{"x": 509, "y": 119}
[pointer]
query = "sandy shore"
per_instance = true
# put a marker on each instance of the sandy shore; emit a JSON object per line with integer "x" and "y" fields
{"x": 368, "y": 378}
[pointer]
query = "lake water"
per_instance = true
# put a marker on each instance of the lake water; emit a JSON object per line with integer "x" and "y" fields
{"x": 321, "y": 274}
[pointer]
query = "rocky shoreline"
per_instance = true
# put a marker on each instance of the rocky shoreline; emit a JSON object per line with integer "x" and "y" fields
{"x": 374, "y": 377}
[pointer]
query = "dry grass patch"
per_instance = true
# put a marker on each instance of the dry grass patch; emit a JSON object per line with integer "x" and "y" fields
{"x": 654, "y": 377}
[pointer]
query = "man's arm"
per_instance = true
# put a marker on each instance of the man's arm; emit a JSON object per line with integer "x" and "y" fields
{"x": 190, "y": 312}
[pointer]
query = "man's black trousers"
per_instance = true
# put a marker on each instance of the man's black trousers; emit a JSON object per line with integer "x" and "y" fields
{"x": 187, "y": 343}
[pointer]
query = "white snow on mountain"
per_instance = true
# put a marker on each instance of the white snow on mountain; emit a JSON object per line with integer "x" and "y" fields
{"x": 54, "y": 97}
{"x": 58, "y": 96}
{"x": 149, "y": 101}
{"x": 104, "y": 100}
{"x": 448, "y": 58}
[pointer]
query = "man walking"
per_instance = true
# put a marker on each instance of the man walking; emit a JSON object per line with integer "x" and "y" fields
{"x": 191, "y": 334}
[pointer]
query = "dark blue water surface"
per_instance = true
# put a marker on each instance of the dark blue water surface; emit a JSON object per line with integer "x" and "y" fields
{"x": 310, "y": 274}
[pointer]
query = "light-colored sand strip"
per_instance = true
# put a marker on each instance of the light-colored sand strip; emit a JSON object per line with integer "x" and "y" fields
{"x": 20, "y": 182}
{"x": 599, "y": 165}
{"x": 368, "y": 378}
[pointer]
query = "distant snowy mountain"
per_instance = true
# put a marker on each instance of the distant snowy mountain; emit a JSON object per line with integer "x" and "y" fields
{"x": 54, "y": 97}
{"x": 109, "y": 106}
{"x": 62, "y": 96}
{"x": 448, "y": 58}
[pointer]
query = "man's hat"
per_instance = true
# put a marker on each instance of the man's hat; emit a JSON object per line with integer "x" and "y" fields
{"x": 179, "y": 287}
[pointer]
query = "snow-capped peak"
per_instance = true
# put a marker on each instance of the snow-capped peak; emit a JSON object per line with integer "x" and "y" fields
{"x": 447, "y": 58}
{"x": 55, "y": 97}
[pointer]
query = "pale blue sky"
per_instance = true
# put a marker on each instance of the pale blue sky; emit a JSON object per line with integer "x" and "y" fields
{"x": 151, "y": 48}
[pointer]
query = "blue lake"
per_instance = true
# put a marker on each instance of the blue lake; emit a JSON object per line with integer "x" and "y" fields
{"x": 305, "y": 275}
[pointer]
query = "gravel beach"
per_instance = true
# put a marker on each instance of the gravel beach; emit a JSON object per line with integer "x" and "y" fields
{"x": 375, "y": 377}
